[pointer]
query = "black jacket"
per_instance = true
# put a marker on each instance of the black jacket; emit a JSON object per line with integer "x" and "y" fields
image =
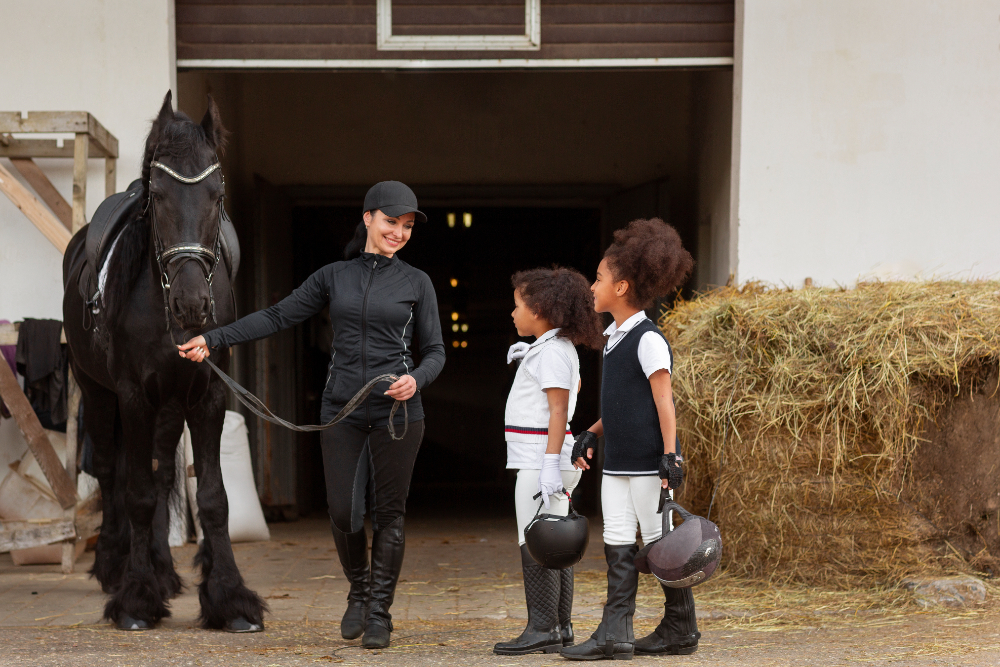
{"x": 376, "y": 303}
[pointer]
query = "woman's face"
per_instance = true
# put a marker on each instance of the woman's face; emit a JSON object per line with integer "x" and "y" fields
{"x": 387, "y": 236}
{"x": 525, "y": 321}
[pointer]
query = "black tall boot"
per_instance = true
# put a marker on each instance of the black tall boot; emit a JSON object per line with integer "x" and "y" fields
{"x": 677, "y": 633}
{"x": 541, "y": 593}
{"x": 388, "y": 545}
{"x": 613, "y": 639}
{"x": 353, "y": 551}
{"x": 566, "y": 605}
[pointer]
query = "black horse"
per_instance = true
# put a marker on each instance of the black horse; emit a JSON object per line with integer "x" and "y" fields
{"x": 165, "y": 281}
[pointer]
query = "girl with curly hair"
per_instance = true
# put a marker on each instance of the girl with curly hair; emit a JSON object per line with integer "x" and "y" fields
{"x": 641, "y": 454}
{"x": 556, "y": 308}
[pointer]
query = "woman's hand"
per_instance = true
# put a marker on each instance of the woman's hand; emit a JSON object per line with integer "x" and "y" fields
{"x": 402, "y": 389}
{"x": 195, "y": 349}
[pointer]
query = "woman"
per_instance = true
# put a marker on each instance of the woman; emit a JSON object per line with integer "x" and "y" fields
{"x": 377, "y": 302}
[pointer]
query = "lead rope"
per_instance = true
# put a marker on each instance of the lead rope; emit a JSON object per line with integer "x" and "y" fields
{"x": 258, "y": 408}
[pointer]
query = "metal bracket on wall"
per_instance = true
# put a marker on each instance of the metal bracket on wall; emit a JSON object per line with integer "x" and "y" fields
{"x": 531, "y": 40}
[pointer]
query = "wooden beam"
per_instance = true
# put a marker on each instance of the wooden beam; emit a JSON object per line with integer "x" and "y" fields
{"x": 43, "y": 186}
{"x": 39, "y": 216}
{"x": 88, "y": 524}
{"x": 110, "y": 176}
{"x": 12, "y": 147}
{"x": 81, "y": 151}
{"x": 73, "y": 411}
{"x": 75, "y": 122}
{"x": 28, "y": 534}
{"x": 38, "y": 442}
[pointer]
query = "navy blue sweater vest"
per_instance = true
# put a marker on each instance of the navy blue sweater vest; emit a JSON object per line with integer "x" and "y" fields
{"x": 633, "y": 442}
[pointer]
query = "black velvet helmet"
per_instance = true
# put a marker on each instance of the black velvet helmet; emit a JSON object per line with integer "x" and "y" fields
{"x": 684, "y": 556}
{"x": 557, "y": 542}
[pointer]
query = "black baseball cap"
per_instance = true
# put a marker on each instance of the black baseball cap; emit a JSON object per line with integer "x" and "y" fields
{"x": 394, "y": 199}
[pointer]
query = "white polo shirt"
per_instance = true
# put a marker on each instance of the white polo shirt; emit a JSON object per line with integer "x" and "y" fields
{"x": 654, "y": 353}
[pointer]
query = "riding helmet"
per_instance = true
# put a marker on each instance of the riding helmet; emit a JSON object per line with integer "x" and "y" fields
{"x": 684, "y": 556}
{"x": 557, "y": 542}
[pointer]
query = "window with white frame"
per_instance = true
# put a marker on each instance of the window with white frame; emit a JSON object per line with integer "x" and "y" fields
{"x": 529, "y": 41}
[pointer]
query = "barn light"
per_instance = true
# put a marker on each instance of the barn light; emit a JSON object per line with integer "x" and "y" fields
{"x": 454, "y": 317}
{"x": 467, "y": 219}
{"x": 465, "y": 344}
{"x": 454, "y": 343}
{"x": 454, "y": 327}
{"x": 451, "y": 219}
{"x": 465, "y": 327}
{"x": 454, "y": 282}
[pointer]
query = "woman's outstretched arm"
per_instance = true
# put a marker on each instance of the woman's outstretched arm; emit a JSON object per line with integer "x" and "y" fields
{"x": 305, "y": 301}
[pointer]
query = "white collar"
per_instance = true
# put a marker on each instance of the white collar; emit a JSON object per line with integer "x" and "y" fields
{"x": 551, "y": 333}
{"x": 626, "y": 325}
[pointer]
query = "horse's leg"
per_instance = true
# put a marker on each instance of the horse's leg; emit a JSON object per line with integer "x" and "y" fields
{"x": 102, "y": 425}
{"x": 226, "y": 602}
{"x": 169, "y": 427}
{"x": 138, "y": 602}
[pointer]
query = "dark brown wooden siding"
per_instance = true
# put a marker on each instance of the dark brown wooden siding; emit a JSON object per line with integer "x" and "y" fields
{"x": 345, "y": 29}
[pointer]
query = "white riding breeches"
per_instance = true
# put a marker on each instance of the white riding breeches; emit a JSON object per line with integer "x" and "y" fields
{"x": 626, "y": 501}
{"x": 526, "y": 506}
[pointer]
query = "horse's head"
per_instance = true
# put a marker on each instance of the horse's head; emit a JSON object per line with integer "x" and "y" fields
{"x": 184, "y": 191}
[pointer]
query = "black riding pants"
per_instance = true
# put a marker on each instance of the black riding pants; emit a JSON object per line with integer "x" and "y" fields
{"x": 366, "y": 463}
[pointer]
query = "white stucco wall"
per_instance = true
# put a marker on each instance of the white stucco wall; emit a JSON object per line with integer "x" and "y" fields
{"x": 869, "y": 139}
{"x": 113, "y": 58}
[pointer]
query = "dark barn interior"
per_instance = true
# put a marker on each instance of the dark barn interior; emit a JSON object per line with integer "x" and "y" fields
{"x": 543, "y": 165}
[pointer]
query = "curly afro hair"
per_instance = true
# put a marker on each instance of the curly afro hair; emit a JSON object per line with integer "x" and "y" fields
{"x": 562, "y": 296}
{"x": 648, "y": 254}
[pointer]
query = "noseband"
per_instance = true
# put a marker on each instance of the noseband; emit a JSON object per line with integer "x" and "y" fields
{"x": 181, "y": 252}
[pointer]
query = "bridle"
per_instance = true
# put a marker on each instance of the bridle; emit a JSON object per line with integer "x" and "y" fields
{"x": 208, "y": 258}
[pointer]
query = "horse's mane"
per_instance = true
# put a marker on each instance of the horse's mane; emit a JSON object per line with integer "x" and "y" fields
{"x": 179, "y": 137}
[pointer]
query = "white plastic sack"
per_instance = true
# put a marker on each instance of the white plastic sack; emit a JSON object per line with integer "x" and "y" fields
{"x": 246, "y": 518}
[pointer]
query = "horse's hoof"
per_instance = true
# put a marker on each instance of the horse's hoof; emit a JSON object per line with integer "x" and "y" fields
{"x": 126, "y": 622}
{"x": 243, "y": 625}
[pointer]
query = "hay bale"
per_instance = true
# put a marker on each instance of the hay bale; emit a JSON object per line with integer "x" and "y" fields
{"x": 834, "y": 402}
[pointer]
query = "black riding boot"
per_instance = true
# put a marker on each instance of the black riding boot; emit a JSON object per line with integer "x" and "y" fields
{"x": 388, "y": 546}
{"x": 613, "y": 639}
{"x": 541, "y": 593}
{"x": 566, "y": 606}
{"x": 677, "y": 633}
{"x": 353, "y": 551}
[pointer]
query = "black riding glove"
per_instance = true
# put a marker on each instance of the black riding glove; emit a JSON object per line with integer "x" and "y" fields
{"x": 584, "y": 441}
{"x": 670, "y": 470}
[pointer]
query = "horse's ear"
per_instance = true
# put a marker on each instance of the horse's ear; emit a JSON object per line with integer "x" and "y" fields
{"x": 166, "y": 111}
{"x": 212, "y": 124}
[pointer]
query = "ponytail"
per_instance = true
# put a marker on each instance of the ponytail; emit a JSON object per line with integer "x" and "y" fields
{"x": 357, "y": 244}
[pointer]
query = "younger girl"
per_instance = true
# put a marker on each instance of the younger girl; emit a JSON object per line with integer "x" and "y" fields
{"x": 646, "y": 261}
{"x": 555, "y": 307}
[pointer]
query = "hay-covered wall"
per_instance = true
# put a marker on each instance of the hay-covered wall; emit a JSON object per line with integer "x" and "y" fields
{"x": 835, "y": 402}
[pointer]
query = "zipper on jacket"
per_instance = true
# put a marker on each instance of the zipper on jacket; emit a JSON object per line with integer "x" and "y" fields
{"x": 364, "y": 342}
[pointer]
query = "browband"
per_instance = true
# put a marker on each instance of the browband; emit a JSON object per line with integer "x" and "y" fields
{"x": 185, "y": 179}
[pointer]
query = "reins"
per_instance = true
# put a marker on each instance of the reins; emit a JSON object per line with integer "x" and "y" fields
{"x": 258, "y": 408}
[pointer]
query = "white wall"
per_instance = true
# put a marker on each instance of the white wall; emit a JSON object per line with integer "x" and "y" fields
{"x": 113, "y": 58}
{"x": 869, "y": 139}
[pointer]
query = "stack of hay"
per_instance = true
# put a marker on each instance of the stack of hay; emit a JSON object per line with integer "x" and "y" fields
{"x": 841, "y": 465}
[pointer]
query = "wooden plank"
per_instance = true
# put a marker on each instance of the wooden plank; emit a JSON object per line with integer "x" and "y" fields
{"x": 43, "y": 186}
{"x": 720, "y": 49}
{"x": 39, "y": 216}
{"x": 12, "y": 147}
{"x": 81, "y": 150}
{"x": 110, "y": 176}
{"x": 272, "y": 15}
{"x": 28, "y": 534}
{"x": 88, "y": 524}
{"x": 38, "y": 442}
{"x": 57, "y": 122}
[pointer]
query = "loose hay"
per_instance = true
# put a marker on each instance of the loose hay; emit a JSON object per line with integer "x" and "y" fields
{"x": 827, "y": 394}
